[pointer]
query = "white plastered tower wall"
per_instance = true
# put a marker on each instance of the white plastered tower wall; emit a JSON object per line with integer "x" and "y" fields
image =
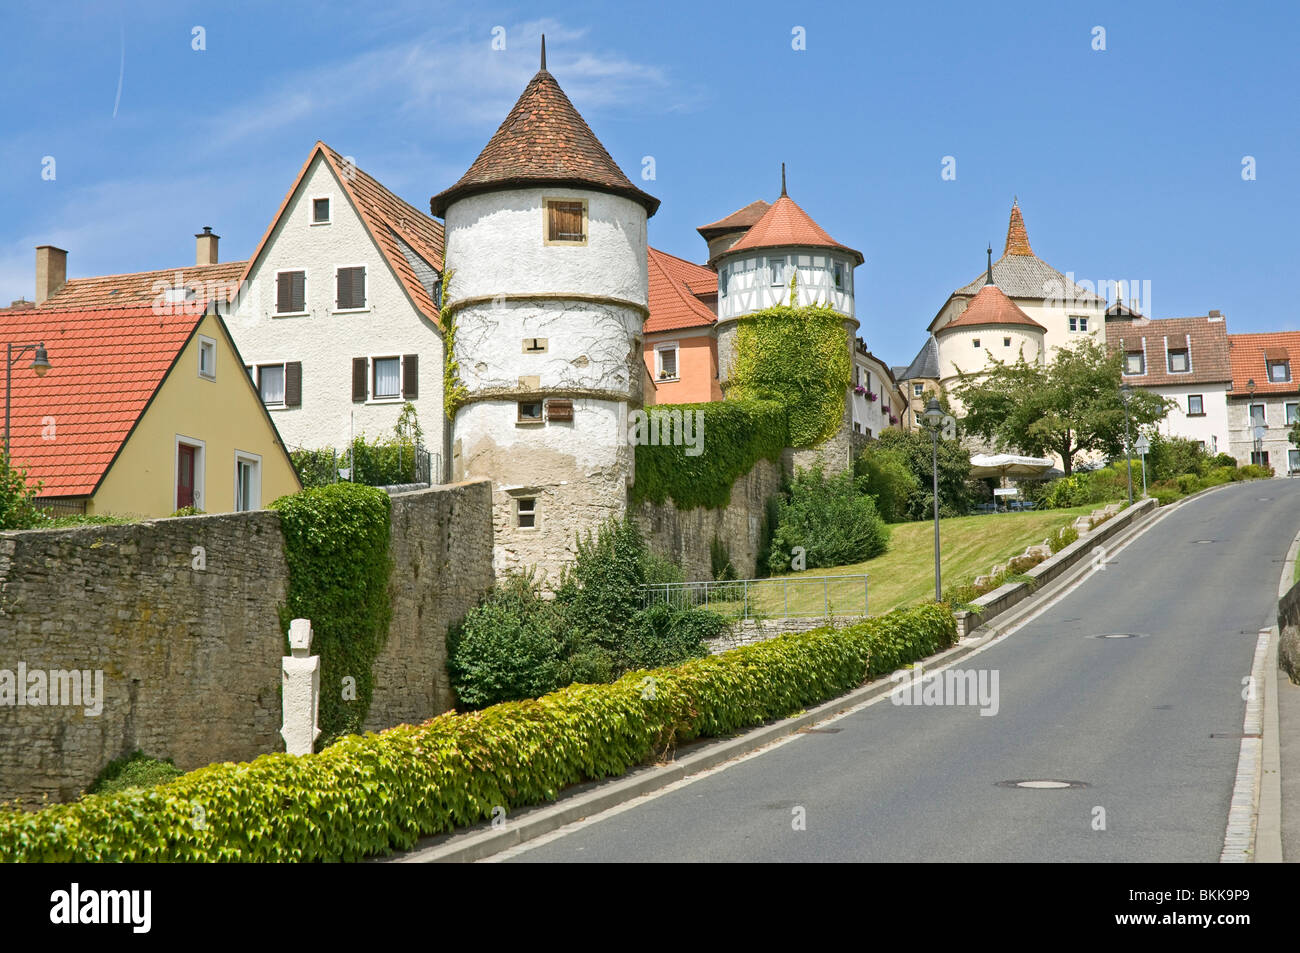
{"x": 326, "y": 341}
{"x": 585, "y": 306}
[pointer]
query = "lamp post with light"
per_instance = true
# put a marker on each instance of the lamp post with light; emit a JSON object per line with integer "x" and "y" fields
{"x": 1124, "y": 392}
{"x": 933, "y": 417}
{"x": 40, "y": 364}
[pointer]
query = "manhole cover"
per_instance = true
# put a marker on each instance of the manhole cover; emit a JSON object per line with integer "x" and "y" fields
{"x": 1119, "y": 635}
{"x": 1042, "y": 784}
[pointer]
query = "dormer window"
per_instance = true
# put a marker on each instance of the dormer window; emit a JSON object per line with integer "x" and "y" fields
{"x": 1279, "y": 372}
{"x": 566, "y": 221}
{"x": 320, "y": 211}
{"x": 1179, "y": 361}
{"x": 1135, "y": 362}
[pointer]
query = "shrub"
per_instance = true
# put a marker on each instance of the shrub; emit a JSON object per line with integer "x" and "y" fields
{"x": 915, "y": 447}
{"x": 720, "y": 560}
{"x": 510, "y": 646}
{"x": 602, "y": 590}
{"x": 1224, "y": 460}
{"x": 888, "y": 480}
{"x": 372, "y": 794}
{"x": 831, "y": 518}
{"x": 17, "y": 498}
{"x": 1062, "y": 537}
{"x": 1170, "y": 457}
{"x": 136, "y": 770}
{"x": 666, "y": 635}
{"x": 1188, "y": 483}
{"x": 336, "y": 546}
{"x": 1256, "y": 471}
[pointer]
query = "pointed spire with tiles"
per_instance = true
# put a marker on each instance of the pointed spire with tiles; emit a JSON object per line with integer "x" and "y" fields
{"x": 1017, "y": 237}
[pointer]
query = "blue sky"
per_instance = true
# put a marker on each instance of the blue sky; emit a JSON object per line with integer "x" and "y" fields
{"x": 1127, "y": 161}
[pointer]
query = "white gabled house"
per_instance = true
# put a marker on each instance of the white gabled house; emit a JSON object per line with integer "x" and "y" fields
{"x": 337, "y": 316}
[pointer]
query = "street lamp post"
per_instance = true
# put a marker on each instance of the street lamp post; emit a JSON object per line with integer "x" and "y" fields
{"x": 40, "y": 364}
{"x": 1142, "y": 446}
{"x": 1124, "y": 391}
{"x": 933, "y": 417}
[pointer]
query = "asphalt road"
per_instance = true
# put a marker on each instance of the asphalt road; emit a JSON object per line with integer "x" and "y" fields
{"x": 1131, "y": 718}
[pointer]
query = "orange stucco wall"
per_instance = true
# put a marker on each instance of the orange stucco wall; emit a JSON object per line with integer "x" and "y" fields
{"x": 697, "y": 362}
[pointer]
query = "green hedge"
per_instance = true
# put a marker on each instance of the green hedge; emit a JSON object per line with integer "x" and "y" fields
{"x": 336, "y": 545}
{"x": 737, "y": 434}
{"x": 371, "y": 794}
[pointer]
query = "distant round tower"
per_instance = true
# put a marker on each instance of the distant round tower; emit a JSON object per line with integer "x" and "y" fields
{"x": 546, "y": 257}
{"x": 754, "y": 274}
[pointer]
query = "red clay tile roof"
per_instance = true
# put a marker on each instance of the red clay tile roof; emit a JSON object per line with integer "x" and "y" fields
{"x": 673, "y": 303}
{"x": 543, "y": 141}
{"x": 1017, "y": 237}
{"x": 106, "y": 366}
{"x": 1206, "y": 337}
{"x": 785, "y": 224}
{"x": 209, "y": 282}
{"x": 22, "y": 304}
{"x": 737, "y": 221}
{"x": 991, "y": 307}
{"x": 1247, "y": 355}
{"x": 386, "y": 216}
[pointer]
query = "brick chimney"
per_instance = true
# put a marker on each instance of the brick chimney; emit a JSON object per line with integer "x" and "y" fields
{"x": 205, "y": 247}
{"x": 51, "y": 271}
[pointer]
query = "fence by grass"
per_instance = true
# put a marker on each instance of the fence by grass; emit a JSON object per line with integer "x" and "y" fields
{"x": 783, "y": 597}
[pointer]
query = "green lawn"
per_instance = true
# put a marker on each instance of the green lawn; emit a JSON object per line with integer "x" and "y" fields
{"x": 969, "y": 547}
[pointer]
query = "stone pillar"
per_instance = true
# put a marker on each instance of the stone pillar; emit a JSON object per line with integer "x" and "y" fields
{"x": 301, "y": 684}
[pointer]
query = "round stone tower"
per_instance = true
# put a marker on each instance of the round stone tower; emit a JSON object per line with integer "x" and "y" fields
{"x": 754, "y": 274}
{"x": 547, "y": 296}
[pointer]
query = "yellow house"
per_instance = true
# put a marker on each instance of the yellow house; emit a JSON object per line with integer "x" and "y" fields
{"x": 145, "y": 410}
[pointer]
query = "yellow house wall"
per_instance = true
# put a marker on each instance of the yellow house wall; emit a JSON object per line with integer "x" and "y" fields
{"x": 225, "y": 414}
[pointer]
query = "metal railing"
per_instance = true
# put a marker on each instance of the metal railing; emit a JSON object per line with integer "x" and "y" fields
{"x": 782, "y": 597}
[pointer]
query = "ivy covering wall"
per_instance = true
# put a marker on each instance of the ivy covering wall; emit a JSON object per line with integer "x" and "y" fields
{"x": 336, "y": 547}
{"x": 798, "y": 357}
{"x": 736, "y": 435}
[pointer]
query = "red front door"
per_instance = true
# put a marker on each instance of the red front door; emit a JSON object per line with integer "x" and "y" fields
{"x": 185, "y": 477}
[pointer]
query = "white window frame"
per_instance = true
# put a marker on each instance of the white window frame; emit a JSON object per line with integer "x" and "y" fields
{"x": 372, "y": 398}
{"x": 208, "y": 344}
{"x": 918, "y": 390}
{"x": 311, "y": 210}
{"x": 1286, "y": 411}
{"x": 659, "y": 363}
{"x": 772, "y": 280}
{"x": 365, "y": 306}
{"x": 1263, "y": 417}
{"x": 257, "y": 383}
{"x": 839, "y": 269}
{"x": 306, "y": 294}
{"x": 200, "y": 468}
{"x": 243, "y": 456}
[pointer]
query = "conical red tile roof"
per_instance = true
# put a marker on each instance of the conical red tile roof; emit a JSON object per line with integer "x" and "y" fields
{"x": 786, "y": 224}
{"x": 991, "y": 307}
{"x": 1017, "y": 237}
{"x": 543, "y": 141}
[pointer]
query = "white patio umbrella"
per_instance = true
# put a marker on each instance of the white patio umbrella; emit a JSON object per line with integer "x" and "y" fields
{"x": 1002, "y": 465}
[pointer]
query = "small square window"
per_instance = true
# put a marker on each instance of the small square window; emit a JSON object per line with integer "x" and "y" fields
{"x": 387, "y": 380}
{"x": 530, "y": 411}
{"x": 208, "y": 358}
{"x": 1195, "y": 405}
{"x": 776, "y": 271}
{"x": 976, "y": 342}
{"x": 566, "y": 221}
{"x": 1135, "y": 363}
{"x": 320, "y": 211}
{"x": 270, "y": 383}
{"x": 1279, "y": 372}
{"x": 667, "y": 359}
{"x": 1179, "y": 361}
{"x": 918, "y": 390}
{"x": 1006, "y": 342}
{"x": 526, "y": 513}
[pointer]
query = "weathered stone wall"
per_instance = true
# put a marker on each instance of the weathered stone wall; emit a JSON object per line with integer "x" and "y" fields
{"x": 753, "y": 631}
{"x": 191, "y": 656}
{"x": 1288, "y": 627}
{"x": 442, "y": 565}
{"x": 684, "y": 536}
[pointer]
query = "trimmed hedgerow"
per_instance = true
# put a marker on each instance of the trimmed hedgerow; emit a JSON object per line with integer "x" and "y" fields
{"x": 735, "y": 435}
{"x": 375, "y": 793}
{"x": 336, "y": 545}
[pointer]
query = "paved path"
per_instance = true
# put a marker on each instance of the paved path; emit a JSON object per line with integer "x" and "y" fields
{"x": 1132, "y": 718}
